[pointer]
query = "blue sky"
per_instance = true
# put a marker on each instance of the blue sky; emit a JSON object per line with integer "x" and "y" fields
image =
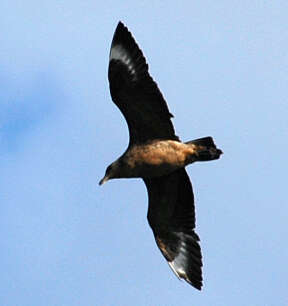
{"x": 223, "y": 69}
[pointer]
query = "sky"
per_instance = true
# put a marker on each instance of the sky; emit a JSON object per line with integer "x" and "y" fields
{"x": 222, "y": 67}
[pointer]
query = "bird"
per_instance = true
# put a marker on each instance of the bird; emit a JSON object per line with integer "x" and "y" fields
{"x": 156, "y": 155}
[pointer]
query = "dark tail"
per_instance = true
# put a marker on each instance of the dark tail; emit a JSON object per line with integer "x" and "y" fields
{"x": 206, "y": 148}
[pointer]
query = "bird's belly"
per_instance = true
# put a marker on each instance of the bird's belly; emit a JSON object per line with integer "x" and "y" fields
{"x": 152, "y": 170}
{"x": 158, "y": 159}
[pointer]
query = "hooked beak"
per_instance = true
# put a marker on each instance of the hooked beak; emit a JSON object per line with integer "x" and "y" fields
{"x": 104, "y": 179}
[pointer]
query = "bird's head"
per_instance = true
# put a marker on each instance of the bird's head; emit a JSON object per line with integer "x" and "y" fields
{"x": 112, "y": 171}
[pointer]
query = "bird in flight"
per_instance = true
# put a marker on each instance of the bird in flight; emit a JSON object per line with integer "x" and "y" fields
{"x": 156, "y": 155}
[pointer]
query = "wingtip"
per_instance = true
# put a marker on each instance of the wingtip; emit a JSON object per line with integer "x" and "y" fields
{"x": 197, "y": 284}
{"x": 182, "y": 275}
{"x": 120, "y": 24}
{"x": 120, "y": 33}
{"x": 120, "y": 27}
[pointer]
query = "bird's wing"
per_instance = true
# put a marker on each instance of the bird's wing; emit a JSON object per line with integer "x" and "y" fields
{"x": 171, "y": 216}
{"x": 134, "y": 91}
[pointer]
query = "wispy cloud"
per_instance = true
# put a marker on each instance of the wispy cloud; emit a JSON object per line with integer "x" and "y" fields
{"x": 25, "y": 106}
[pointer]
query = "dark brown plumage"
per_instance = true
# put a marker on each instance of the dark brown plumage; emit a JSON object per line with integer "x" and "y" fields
{"x": 156, "y": 155}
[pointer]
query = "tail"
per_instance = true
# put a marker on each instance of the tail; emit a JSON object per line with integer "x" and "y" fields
{"x": 206, "y": 148}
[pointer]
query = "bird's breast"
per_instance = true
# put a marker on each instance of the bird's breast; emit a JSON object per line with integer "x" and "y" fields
{"x": 157, "y": 158}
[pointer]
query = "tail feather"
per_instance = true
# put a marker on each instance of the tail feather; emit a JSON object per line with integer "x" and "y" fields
{"x": 206, "y": 148}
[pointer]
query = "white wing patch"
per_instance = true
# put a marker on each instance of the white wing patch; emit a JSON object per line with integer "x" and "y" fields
{"x": 179, "y": 264}
{"x": 119, "y": 53}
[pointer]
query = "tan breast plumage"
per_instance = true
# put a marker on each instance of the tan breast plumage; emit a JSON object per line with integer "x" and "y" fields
{"x": 158, "y": 158}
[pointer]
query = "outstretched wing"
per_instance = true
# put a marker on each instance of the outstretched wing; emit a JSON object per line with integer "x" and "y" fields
{"x": 134, "y": 91}
{"x": 171, "y": 216}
